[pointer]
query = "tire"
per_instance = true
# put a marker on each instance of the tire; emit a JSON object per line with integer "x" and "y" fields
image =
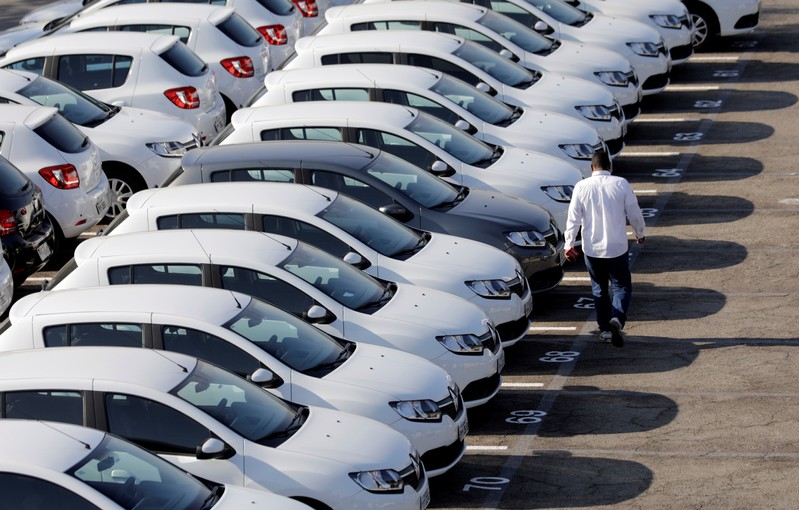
{"x": 705, "y": 26}
{"x": 123, "y": 185}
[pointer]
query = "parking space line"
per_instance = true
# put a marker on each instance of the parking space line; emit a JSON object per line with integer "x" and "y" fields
{"x": 692, "y": 88}
{"x": 644, "y": 191}
{"x": 522, "y": 385}
{"x": 649, "y": 453}
{"x": 668, "y": 119}
{"x": 552, "y": 328}
{"x": 648, "y": 154}
{"x": 715, "y": 58}
{"x": 485, "y": 448}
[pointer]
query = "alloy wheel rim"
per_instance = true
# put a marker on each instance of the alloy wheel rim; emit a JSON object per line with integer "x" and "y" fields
{"x": 121, "y": 191}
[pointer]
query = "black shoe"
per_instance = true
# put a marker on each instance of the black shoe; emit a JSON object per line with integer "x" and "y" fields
{"x": 615, "y": 331}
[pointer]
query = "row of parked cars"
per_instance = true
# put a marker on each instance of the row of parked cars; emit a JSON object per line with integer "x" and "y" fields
{"x": 326, "y": 226}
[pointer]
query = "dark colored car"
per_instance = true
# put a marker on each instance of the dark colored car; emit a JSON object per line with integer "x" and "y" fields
{"x": 25, "y": 230}
{"x": 397, "y": 188}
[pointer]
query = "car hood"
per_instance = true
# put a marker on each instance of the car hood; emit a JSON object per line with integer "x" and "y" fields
{"x": 339, "y": 437}
{"x": 146, "y": 125}
{"x": 559, "y": 128}
{"x": 625, "y": 30}
{"x": 235, "y": 498}
{"x": 535, "y": 167}
{"x": 457, "y": 258}
{"x": 435, "y": 309}
{"x": 575, "y": 55}
{"x": 504, "y": 209}
{"x": 407, "y": 376}
{"x": 51, "y": 11}
{"x": 19, "y": 34}
{"x": 553, "y": 87}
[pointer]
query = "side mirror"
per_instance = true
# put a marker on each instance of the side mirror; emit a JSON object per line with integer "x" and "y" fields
{"x": 356, "y": 260}
{"x": 265, "y": 378}
{"x": 462, "y": 125}
{"x": 214, "y": 448}
{"x": 397, "y": 212}
{"x": 318, "y": 315}
{"x": 505, "y": 52}
{"x": 441, "y": 169}
{"x": 483, "y": 87}
{"x": 540, "y": 26}
{"x": 119, "y": 102}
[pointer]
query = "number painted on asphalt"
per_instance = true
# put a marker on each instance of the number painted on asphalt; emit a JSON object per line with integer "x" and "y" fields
{"x": 585, "y": 302}
{"x": 559, "y": 356}
{"x": 648, "y": 212}
{"x": 687, "y": 137}
{"x": 668, "y": 172}
{"x": 744, "y": 44}
{"x": 486, "y": 483}
{"x": 729, "y": 73}
{"x": 525, "y": 417}
{"x": 707, "y": 104}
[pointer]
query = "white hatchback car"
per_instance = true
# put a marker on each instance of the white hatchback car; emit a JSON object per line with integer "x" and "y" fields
{"x": 640, "y": 44}
{"x": 232, "y": 48}
{"x": 474, "y": 64}
{"x": 444, "y": 97}
{"x": 138, "y": 148}
{"x": 343, "y": 301}
{"x": 61, "y": 161}
{"x": 342, "y": 226}
{"x": 155, "y": 72}
{"x": 722, "y": 18}
{"x": 255, "y": 340}
{"x": 501, "y": 34}
{"x": 419, "y": 138}
{"x": 216, "y": 425}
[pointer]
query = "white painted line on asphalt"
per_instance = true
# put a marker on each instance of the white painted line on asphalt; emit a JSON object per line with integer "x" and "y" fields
{"x": 649, "y": 154}
{"x": 486, "y": 448}
{"x": 698, "y": 454}
{"x": 714, "y": 58}
{"x": 692, "y": 88}
{"x": 522, "y": 385}
{"x": 552, "y": 328}
{"x": 644, "y": 191}
{"x": 36, "y": 279}
{"x": 669, "y": 119}
{"x": 576, "y": 278}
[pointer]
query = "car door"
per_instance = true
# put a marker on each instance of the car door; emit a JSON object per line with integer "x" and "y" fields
{"x": 107, "y": 77}
{"x": 52, "y": 332}
{"x": 64, "y": 405}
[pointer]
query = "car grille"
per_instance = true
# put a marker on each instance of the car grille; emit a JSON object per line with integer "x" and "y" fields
{"x": 414, "y": 475}
{"x": 632, "y": 77}
{"x": 662, "y": 49}
{"x": 452, "y": 406}
{"x": 657, "y": 81}
{"x": 518, "y": 285}
{"x": 547, "y": 279}
{"x": 616, "y": 112}
{"x": 480, "y": 389}
{"x": 682, "y": 52}
{"x": 514, "y": 329}
{"x": 490, "y": 339}
{"x": 442, "y": 457}
{"x": 615, "y": 146}
{"x": 632, "y": 110}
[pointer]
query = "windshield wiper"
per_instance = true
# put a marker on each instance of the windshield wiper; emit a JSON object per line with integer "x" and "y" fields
{"x": 491, "y": 159}
{"x": 457, "y": 200}
{"x": 385, "y": 296}
{"x": 294, "y": 425}
{"x": 343, "y": 356}
{"x": 213, "y": 497}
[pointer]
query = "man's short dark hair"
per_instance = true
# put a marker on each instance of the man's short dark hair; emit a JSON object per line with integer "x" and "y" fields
{"x": 600, "y": 160}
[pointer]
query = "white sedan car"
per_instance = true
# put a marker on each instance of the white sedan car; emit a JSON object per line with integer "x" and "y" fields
{"x": 255, "y": 340}
{"x": 60, "y": 465}
{"x": 217, "y": 426}
{"x": 342, "y": 226}
{"x": 722, "y": 18}
{"x": 420, "y": 139}
{"x": 343, "y": 301}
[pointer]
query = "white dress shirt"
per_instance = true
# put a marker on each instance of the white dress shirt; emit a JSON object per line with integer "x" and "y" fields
{"x": 602, "y": 204}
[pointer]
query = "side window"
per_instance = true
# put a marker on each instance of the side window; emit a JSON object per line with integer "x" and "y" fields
{"x": 60, "y": 406}
{"x": 515, "y": 12}
{"x": 110, "y": 334}
{"x": 363, "y": 57}
{"x": 182, "y": 32}
{"x": 210, "y": 348}
{"x": 263, "y": 174}
{"x": 312, "y": 133}
{"x": 32, "y": 65}
{"x": 180, "y": 274}
{"x": 342, "y": 94}
{"x": 229, "y": 221}
{"x": 355, "y": 188}
{"x": 305, "y": 232}
{"x": 23, "y": 492}
{"x": 443, "y": 66}
{"x": 267, "y": 288}
{"x": 398, "y": 146}
{"x": 90, "y": 72}
{"x": 153, "y": 425}
{"x": 468, "y": 33}
{"x": 421, "y": 103}
{"x": 386, "y": 25}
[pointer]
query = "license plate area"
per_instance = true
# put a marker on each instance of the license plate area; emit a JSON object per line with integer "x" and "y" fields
{"x": 463, "y": 429}
{"x": 44, "y": 251}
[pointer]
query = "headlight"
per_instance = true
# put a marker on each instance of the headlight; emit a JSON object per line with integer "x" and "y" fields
{"x": 491, "y": 289}
{"x": 379, "y": 480}
{"x": 578, "y": 150}
{"x": 666, "y": 20}
{"x": 527, "y": 239}
{"x": 168, "y": 149}
{"x": 559, "y": 193}
{"x": 613, "y": 78}
{"x": 461, "y": 344}
{"x": 645, "y": 49}
{"x": 595, "y": 112}
{"x": 417, "y": 410}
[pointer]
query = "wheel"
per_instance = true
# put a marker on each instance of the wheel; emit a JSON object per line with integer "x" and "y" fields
{"x": 704, "y": 26}
{"x": 123, "y": 186}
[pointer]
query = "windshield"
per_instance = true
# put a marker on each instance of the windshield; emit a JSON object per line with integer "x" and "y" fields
{"x": 499, "y": 67}
{"x": 242, "y": 406}
{"x": 517, "y": 33}
{"x": 349, "y": 286}
{"x": 129, "y": 475}
{"x": 12, "y": 180}
{"x": 296, "y": 343}
{"x": 420, "y": 186}
{"x": 476, "y": 102}
{"x": 561, "y": 11}
{"x": 380, "y": 232}
{"x": 75, "y": 106}
{"x": 457, "y": 143}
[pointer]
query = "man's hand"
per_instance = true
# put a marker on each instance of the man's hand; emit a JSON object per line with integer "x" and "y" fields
{"x": 640, "y": 240}
{"x": 571, "y": 254}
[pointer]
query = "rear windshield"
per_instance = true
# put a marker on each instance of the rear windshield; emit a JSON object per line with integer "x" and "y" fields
{"x": 241, "y": 32}
{"x": 281, "y": 7}
{"x": 12, "y": 180}
{"x": 62, "y": 135}
{"x": 184, "y": 60}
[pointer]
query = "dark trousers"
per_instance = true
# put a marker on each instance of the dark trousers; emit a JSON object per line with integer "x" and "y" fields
{"x": 611, "y": 284}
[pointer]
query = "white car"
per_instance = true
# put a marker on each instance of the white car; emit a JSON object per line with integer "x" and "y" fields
{"x": 234, "y": 50}
{"x": 474, "y": 64}
{"x": 60, "y": 465}
{"x": 501, "y": 34}
{"x": 722, "y": 18}
{"x": 61, "y": 161}
{"x": 344, "y": 227}
{"x": 217, "y": 426}
{"x": 343, "y": 301}
{"x": 138, "y": 148}
{"x": 640, "y": 44}
{"x": 445, "y": 97}
{"x": 669, "y": 17}
{"x": 279, "y": 352}
{"x": 150, "y": 71}
{"x": 420, "y": 139}
{"x": 6, "y": 282}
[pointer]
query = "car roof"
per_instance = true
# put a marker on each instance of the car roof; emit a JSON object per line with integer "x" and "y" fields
{"x": 189, "y": 246}
{"x": 12, "y": 80}
{"x": 354, "y": 75}
{"x": 176, "y": 13}
{"x": 336, "y": 112}
{"x": 418, "y": 10}
{"x": 32, "y": 116}
{"x": 129, "y": 43}
{"x": 71, "y": 367}
{"x": 56, "y": 446}
{"x": 380, "y": 40}
{"x": 208, "y": 304}
{"x": 284, "y": 152}
{"x": 232, "y": 197}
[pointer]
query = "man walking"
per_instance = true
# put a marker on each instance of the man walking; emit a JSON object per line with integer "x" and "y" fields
{"x": 601, "y": 205}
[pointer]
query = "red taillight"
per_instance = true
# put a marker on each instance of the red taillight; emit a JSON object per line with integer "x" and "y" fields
{"x": 61, "y": 176}
{"x": 184, "y": 97}
{"x": 307, "y": 8}
{"x": 274, "y": 34}
{"x": 8, "y": 223}
{"x": 240, "y": 67}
